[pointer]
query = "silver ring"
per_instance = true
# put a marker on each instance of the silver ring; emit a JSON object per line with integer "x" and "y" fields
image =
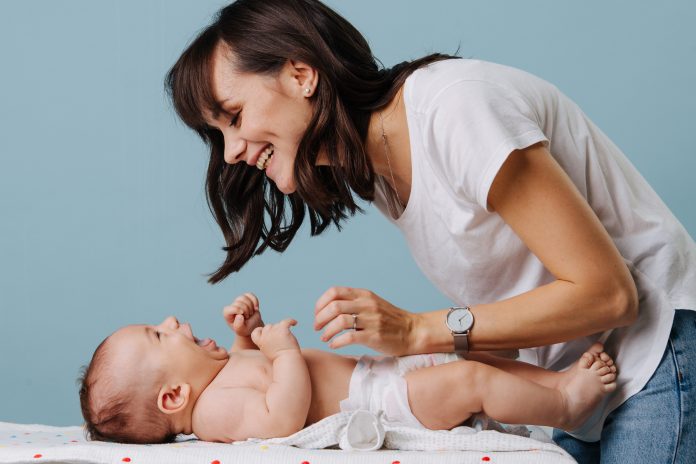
{"x": 355, "y": 321}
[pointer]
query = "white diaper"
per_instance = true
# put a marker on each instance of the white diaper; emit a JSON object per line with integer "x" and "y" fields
{"x": 377, "y": 385}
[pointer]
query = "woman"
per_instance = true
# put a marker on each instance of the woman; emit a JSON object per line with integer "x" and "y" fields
{"x": 513, "y": 203}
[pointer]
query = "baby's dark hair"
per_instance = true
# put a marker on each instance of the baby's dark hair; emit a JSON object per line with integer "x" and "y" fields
{"x": 119, "y": 415}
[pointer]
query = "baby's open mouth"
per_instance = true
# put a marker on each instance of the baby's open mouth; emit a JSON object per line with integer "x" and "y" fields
{"x": 265, "y": 157}
{"x": 208, "y": 343}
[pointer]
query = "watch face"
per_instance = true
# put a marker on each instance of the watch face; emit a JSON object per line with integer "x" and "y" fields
{"x": 460, "y": 320}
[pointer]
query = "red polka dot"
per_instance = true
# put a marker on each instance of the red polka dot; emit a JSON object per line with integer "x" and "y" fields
{"x": 305, "y": 462}
{"x": 37, "y": 456}
{"x": 396, "y": 462}
{"x": 485, "y": 458}
{"x": 215, "y": 462}
{"x": 125, "y": 459}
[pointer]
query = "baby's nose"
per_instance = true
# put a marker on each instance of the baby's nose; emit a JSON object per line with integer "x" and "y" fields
{"x": 171, "y": 322}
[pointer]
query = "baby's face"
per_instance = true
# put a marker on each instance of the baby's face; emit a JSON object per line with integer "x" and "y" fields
{"x": 169, "y": 346}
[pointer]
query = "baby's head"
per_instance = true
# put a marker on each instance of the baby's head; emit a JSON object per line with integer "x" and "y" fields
{"x": 143, "y": 381}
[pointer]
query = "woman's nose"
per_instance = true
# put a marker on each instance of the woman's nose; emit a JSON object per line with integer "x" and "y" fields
{"x": 234, "y": 149}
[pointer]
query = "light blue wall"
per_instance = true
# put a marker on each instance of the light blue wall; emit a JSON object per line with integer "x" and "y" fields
{"x": 102, "y": 213}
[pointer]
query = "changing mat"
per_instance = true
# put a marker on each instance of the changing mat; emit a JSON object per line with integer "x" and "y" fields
{"x": 359, "y": 437}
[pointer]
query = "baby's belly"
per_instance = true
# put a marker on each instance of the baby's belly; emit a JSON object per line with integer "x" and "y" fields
{"x": 330, "y": 374}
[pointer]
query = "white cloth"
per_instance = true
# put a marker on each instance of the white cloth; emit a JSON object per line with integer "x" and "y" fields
{"x": 378, "y": 385}
{"x": 362, "y": 430}
{"x": 464, "y": 118}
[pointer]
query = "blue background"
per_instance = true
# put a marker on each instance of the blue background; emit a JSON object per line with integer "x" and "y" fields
{"x": 103, "y": 219}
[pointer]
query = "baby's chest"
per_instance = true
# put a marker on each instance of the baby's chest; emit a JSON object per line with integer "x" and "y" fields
{"x": 248, "y": 371}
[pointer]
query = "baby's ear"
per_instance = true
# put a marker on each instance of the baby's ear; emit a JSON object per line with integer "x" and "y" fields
{"x": 173, "y": 398}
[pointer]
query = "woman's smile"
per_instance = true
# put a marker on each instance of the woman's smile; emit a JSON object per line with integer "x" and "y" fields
{"x": 264, "y": 158}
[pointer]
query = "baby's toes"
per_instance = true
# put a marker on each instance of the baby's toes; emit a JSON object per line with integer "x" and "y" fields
{"x": 608, "y": 378}
{"x": 609, "y": 387}
{"x": 586, "y": 360}
{"x": 604, "y": 370}
{"x": 606, "y": 358}
{"x": 597, "y": 365}
{"x": 596, "y": 349}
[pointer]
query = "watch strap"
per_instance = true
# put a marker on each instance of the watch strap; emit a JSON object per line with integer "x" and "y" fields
{"x": 461, "y": 342}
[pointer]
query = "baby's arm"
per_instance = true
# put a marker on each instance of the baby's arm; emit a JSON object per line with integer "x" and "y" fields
{"x": 241, "y": 413}
{"x": 287, "y": 399}
{"x": 243, "y": 316}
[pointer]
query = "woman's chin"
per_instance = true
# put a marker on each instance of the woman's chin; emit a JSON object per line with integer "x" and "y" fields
{"x": 287, "y": 186}
{"x": 287, "y": 189}
{"x": 276, "y": 171}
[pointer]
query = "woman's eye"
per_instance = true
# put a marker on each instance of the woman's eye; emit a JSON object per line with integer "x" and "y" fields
{"x": 235, "y": 119}
{"x": 157, "y": 332}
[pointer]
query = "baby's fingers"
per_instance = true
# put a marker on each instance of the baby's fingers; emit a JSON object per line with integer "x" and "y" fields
{"x": 252, "y": 299}
{"x": 256, "y": 335}
{"x": 238, "y": 322}
{"x": 287, "y": 323}
{"x": 229, "y": 312}
{"x": 248, "y": 301}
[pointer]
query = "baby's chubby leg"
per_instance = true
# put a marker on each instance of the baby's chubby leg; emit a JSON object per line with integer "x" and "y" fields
{"x": 443, "y": 396}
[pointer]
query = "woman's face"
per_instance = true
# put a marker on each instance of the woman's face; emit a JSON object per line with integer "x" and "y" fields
{"x": 263, "y": 118}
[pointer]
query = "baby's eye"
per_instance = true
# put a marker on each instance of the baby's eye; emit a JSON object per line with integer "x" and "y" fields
{"x": 157, "y": 332}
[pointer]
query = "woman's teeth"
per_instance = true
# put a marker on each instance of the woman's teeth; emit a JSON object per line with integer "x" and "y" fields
{"x": 262, "y": 162}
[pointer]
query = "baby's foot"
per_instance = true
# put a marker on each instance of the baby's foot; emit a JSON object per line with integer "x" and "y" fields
{"x": 584, "y": 385}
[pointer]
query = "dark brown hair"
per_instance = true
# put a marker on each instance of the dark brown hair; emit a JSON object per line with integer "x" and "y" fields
{"x": 262, "y": 35}
{"x": 119, "y": 416}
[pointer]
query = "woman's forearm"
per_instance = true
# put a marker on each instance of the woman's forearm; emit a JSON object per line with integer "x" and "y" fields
{"x": 553, "y": 313}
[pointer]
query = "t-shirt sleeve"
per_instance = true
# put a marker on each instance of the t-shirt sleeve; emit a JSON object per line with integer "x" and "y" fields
{"x": 471, "y": 127}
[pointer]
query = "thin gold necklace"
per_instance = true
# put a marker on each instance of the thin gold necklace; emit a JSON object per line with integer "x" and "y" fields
{"x": 386, "y": 154}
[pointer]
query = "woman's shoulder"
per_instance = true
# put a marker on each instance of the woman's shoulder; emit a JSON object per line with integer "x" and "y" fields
{"x": 466, "y": 78}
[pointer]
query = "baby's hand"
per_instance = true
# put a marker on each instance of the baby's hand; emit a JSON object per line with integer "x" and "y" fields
{"x": 275, "y": 338}
{"x": 243, "y": 315}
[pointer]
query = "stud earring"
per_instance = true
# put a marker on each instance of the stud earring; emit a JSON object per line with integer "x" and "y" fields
{"x": 307, "y": 90}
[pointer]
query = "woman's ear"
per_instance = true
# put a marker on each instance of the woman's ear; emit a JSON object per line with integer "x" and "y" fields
{"x": 303, "y": 78}
{"x": 173, "y": 398}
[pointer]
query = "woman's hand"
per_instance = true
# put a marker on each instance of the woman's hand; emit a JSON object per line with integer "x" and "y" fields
{"x": 243, "y": 315}
{"x": 379, "y": 324}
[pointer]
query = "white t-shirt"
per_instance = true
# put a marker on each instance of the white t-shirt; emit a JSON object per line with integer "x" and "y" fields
{"x": 464, "y": 118}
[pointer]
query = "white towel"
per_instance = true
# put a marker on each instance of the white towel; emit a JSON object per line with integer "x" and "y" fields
{"x": 364, "y": 431}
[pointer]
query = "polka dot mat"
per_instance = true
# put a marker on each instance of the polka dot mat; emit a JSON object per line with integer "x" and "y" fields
{"x": 54, "y": 444}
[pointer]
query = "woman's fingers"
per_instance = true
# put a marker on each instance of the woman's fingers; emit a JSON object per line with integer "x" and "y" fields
{"x": 350, "y": 337}
{"x": 381, "y": 325}
{"x": 338, "y": 324}
{"x": 336, "y": 293}
{"x": 331, "y": 311}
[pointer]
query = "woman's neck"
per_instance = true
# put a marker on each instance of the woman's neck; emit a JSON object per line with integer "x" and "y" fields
{"x": 388, "y": 146}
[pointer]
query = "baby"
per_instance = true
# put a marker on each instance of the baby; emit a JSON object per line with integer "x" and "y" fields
{"x": 146, "y": 384}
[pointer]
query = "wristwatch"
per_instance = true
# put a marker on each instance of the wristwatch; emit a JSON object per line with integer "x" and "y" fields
{"x": 460, "y": 320}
